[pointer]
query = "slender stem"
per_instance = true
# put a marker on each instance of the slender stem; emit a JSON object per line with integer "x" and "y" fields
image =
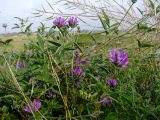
{"x": 125, "y": 15}
{"x": 54, "y": 74}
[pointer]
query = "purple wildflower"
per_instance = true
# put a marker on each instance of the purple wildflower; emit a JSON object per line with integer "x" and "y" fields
{"x": 78, "y": 59}
{"x": 20, "y": 65}
{"x": 112, "y": 82}
{"x": 122, "y": 58}
{"x": 59, "y": 22}
{"x": 84, "y": 62}
{"x": 113, "y": 55}
{"x": 50, "y": 94}
{"x": 119, "y": 57}
{"x": 105, "y": 100}
{"x": 77, "y": 70}
{"x": 108, "y": 101}
{"x": 73, "y": 21}
{"x": 35, "y": 106}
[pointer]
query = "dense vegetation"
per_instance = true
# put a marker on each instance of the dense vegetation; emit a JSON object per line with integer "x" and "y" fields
{"x": 62, "y": 73}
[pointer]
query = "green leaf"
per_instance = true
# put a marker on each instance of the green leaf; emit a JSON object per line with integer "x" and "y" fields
{"x": 107, "y": 21}
{"x": 114, "y": 27}
{"x": 1, "y": 42}
{"x": 142, "y": 26}
{"x": 92, "y": 76}
{"x": 40, "y": 39}
{"x": 93, "y": 38}
{"x": 80, "y": 108}
{"x": 151, "y": 4}
{"x": 139, "y": 43}
{"x": 111, "y": 116}
{"x": 52, "y": 48}
{"x": 8, "y": 41}
{"x": 55, "y": 43}
{"x": 69, "y": 49}
{"x": 16, "y": 26}
{"x": 134, "y": 1}
{"x": 28, "y": 27}
{"x": 146, "y": 45}
{"x": 77, "y": 46}
{"x": 143, "y": 45}
{"x": 158, "y": 9}
{"x": 140, "y": 11}
{"x": 103, "y": 25}
{"x": 18, "y": 18}
{"x": 45, "y": 72}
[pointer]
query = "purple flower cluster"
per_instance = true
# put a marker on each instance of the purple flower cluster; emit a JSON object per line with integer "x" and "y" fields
{"x": 35, "y": 106}
{"x": 112, "y": 82}
{"x": 59, "y": 22}
{"x": 73, "y": 21}
{"x": 106, "y": 100}
{"x": 62, "y": 22}
{"x": 119, "y": 57}
{"x": 20, "y": 65}
{"x": 77, "y": 70}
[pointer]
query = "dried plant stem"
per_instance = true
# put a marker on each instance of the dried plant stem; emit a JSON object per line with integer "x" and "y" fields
{"x": 64, "y": 98}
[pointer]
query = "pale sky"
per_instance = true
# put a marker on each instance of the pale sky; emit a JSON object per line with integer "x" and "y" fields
{"x": 23, "y": 8}
{"x": 18, "y": 8}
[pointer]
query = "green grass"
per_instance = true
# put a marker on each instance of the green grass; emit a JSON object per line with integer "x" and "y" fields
{"x": 127, "y": 42}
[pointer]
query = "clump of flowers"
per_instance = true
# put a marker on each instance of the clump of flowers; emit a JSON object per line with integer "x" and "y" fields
{"x": 119, "y": 57}
{"x": 73, "y": 21}
{"x": 35, "y": 106}
{"x": 106, "y": 100}
{"x": 112, "y": 82}
{"x": 59, "y": 22}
